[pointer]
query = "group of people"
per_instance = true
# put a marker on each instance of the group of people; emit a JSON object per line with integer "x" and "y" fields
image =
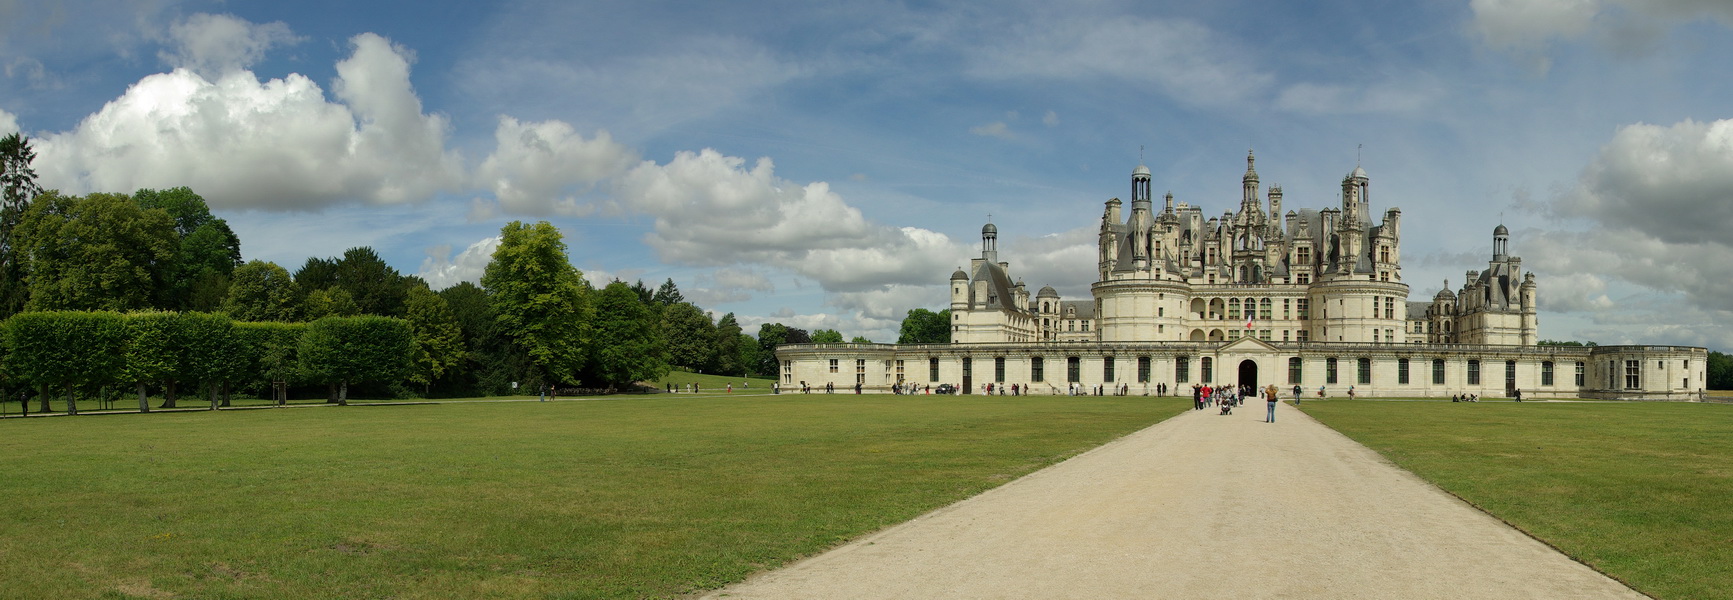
{"x": 1204, "y": 395}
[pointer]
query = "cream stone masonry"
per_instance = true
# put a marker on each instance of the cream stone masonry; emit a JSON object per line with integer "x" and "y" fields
{"x": 1312, "y": 298}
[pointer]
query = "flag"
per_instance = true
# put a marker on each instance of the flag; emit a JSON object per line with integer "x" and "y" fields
{"x": 1248, "y": 322}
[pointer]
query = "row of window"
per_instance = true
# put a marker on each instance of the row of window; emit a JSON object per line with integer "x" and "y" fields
{"x": 1182, "y": 370}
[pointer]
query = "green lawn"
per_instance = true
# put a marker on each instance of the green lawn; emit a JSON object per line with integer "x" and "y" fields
{"x": 1640, "y": 491}
{"x": 623, "y": 497}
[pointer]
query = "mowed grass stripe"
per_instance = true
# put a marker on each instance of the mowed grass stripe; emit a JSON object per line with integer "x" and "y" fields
{"x": 605, "y": 498}
{"x": 1640, "y": 491}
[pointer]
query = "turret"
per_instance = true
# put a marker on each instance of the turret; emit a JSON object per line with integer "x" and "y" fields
{"x": 1500, "y": 241}
{"x": 1141, "y": 218}
{"x": 1530, "y": 315}
{"x": 990, "y": 243}
{"x": 959, "y": 291}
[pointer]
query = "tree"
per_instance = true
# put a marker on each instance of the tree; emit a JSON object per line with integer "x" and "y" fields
{"x": 329, "y": 302}
{"x": 797, "y": 335}
{"x": 668, "y": 294}
{"x": 826, "y": 336}
{"x": 860, "y": 339}
{"x": 539, "y": 301}
{"x": 770, "y": 335}
{"x": 438, "y": 340}
{"x": 273, "y": 353}
{"x": 346, "y": 350}
{"x": 260, "y": 291}
{"x": 725, "y": 351}
{"x": 1720, "y": 371}
{"x": 923, "y": 326}
{"x": 377, "y": 288}
{"x": 65, "y": 349}
{"x": 209, "y": 352}
{"x": 100, "y": 252}
{"x": 627, "y": 344}
{"x": 17, "y": 188}
{"x": 152, "y": 351}
{"x": 688, "y": 334}
{"x": 188, "y": 209}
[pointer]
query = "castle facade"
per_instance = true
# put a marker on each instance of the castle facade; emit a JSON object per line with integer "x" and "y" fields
{"x": 1306, "y": 297}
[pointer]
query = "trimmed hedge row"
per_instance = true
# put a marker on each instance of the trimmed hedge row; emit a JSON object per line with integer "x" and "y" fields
{"x": 73, "y": 350}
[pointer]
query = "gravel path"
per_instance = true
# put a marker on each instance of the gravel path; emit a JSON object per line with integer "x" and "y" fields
{"x": 1200, "y": 506}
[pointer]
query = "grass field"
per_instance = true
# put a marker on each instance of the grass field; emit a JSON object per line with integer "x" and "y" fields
{"x": 1640, "y": 491}
{"x": 624, "y": 497}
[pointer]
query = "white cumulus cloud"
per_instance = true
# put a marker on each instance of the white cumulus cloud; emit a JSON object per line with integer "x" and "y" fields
{"x": 213, "y": 45}
{"x": 277, "y": 145}
{"x": 547, "y": 167}
{"x": 442, "y": 270}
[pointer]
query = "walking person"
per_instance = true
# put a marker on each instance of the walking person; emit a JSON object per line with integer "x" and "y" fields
{"x": 1296, "y": 395}
{"x": 1270, "y": 401}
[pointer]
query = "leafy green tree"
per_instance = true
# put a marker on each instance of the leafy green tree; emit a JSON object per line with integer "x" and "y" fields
{"x": 796, "y": 335}
{"x": 491, "y": 361}
{"x": 668, "y": 294}
{"x": 346, "y": 350}
{"x": 826, "y": 336}
{"x": 100, "y": 252}
{"x": 66, "y": 349}
{"x": 627, "y": 344}
{"x": 539, "y": 301}
{"x": 645, "y": 294}
{"x": 272, "y": 355}
{"x": 770, "y": 335}
{"x": 725, "y": 351}
{"x": 315, "y": 274}
{"x": 438, "y": 339}
{"x": 329, "y": 302}
{"x": 208, "y": 250}
{"x": 187, "y": 208}
{"x": 860, "y": 339}
{"x": 377, "y": 288}
{"x": 923, "y": 326}
{"x": 688, "y": 333}
{"x": 209, "y": 351}
{"x": 260, "y": 291}
{"x": 750, "y": 354}
{"x": 17, "y": 188}
{"x": 1720, "y": 371}
{"x": 152, "y": 352}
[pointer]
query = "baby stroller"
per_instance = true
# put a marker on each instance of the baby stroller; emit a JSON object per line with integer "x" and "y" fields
{"x": 1227, "y": 407}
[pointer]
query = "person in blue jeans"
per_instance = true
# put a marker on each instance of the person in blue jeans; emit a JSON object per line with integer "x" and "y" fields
{"x": 1270, "y": 400}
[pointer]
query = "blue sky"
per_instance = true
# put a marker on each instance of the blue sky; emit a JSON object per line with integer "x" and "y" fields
{"x": 828, "y": 166}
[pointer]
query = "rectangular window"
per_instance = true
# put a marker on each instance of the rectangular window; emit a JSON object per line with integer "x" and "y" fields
{"x": 1474, "y": 372}
{"x": 1364, "y": 371}
{"x": 1437, "y": 371}
{"x": 933, "y": 370}
{"x": 1181, "y": 369}
{"x": 1036, "y": 372}
{"x": 1633, "y": 374}
{"x": 1301, "y": 335}
{"x": 1546, "y": 373}
{"x": 788, "y": 371}
{"x": 1265, "y": 309}
{"x": 1580, "y": 374}
{"x": 1402, "y": 371}
{"x": 1374, "y": 336}
{"x": 1287, "y": 308}
{"x": 1143, "y": 369}
{"x": 833, "y": 365}
{"x": 1208, "y": 368}
{"x": 1264, "y": 334}
{"x": 1330, "y": 370}
{"x": 1510, "y": 375}
{"x": 1294, "y": 370}
{"x": 999, "y": 369}
{"x": 860, "y": 371}
{"x": 1390, "y": 308}
{"x": 1305, "y": 278}
{"x": 1107, "y": 369}
{"x": 1073, "y": 369}
{"x": 1233, "y": 309}
{"x": 1301, "y": 306}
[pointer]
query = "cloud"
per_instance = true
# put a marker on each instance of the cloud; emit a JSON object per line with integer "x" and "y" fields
{"x": 440, "y": 270}
{"x": 996, "y": 129}
{"x": 1063, "y": 260}
{"x": 1051, "y": 119}
{"x": 1573, "y": 292}
{"x": 547, "y": 167}
{"x": 274, "y": 145}
{"x": 214, "y": 45}
{"x": 1527, "y": 27}
{"x": 1521, "y": 23}
{"x": 1673, "y": 183}
{"x": 1186, "y": 60}
{"x": 8, "y": 123}
{"x": 710, "y": 210}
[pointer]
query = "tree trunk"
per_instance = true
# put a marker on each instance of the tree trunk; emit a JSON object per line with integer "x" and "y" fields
{"x": 212, "y": 391}
{"x": 44, "y": 399}
{"x": 282, "y": 390}
{"x": 330, "y": 393}
{"x": 168, "y": 394}
{"x": 143, "y": 402}
{"x": 71, "y": 403}
{"x": 225, "y": 394}
{"x": 343, "y": 394}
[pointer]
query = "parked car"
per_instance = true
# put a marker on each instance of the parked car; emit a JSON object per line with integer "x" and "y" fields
{"x": 945, "y": 388}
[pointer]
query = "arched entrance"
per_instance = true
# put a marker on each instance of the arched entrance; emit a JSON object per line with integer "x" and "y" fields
{"x": 1249, "y": 373}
